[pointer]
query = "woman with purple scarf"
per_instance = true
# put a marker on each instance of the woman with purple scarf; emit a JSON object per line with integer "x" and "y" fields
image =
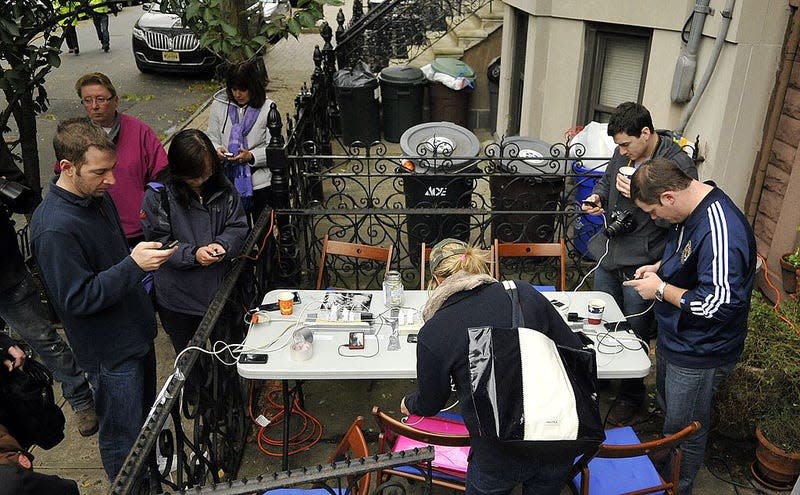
{"x": 237, "y": 125}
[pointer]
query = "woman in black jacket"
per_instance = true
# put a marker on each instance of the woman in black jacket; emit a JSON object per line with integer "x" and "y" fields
{"x": 466, "y": 297}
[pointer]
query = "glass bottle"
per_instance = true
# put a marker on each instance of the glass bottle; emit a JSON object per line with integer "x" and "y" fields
{"x": 393, "y": 289}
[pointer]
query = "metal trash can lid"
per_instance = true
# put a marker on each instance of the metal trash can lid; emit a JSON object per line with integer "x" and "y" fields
{"x": 530, "y": 156}
{"x": 440, "y": 139}
{"x": 453, "y": 67}
{"x": 403, "y": 75}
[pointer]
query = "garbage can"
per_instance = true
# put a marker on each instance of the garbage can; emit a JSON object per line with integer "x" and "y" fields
{"x": 537, "y": 185}
{"x": 432, "y": 185}
{"x": 586, "y": 226}
{"x": 402, "y": 89}
{"x": 493, "y": 75}
{"x": 448, "y": 104}
{"x": 358, "y": 106}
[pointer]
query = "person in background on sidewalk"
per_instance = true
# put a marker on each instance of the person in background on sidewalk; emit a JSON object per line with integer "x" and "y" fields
{"x": 140, "y": 155}
{"x": 100, "y": 10}
{"x": 16, "y": 468}
{"x": 702, "y": 287}
{"x": 22, "y": 309}
{"x": 621, "y": 251}
{"x": 65, "y": 10}
{"x": 237, "y": 125}
{"x": 95, "y": 283}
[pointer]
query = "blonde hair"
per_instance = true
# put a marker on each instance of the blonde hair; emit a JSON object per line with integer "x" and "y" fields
{"x": 450, "y": 256}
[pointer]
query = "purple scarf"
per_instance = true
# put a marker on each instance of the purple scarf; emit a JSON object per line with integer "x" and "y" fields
{"x": 239, "y": 173}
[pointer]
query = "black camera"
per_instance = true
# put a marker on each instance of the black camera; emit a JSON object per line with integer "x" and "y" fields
{"x": 622, "y": 222}
{"x": 15, "y": 195}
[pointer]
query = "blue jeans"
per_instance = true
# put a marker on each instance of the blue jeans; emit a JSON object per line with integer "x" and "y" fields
{"x": 631, "y": 390}
{"x": 537, "y": 478}
{"x": 686, "y": 395}
{"x": 21, "y": 308}
{"x": 122, "y": 399}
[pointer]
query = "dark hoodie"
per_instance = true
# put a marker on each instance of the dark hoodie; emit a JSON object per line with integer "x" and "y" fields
{"x": 645, "y": 244}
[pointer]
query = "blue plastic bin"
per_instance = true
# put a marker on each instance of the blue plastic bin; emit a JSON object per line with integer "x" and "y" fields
{"x": 586, "y": 226}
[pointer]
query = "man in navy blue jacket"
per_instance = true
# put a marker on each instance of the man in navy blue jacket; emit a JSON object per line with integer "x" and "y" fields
{"x": 95, "y": 284}
{"x": 702, "y": 286}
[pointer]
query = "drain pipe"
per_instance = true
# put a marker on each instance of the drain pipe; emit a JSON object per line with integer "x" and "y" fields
{"x": 774, "y": 114}
{"x": 725, "y": 23}
{"x": 686, "y": 65}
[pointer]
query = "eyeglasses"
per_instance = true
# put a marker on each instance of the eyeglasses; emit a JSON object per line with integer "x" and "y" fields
{"x": 100, "y": 100}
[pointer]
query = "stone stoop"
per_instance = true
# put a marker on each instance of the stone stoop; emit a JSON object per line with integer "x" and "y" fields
{"x": 470, "y": 32}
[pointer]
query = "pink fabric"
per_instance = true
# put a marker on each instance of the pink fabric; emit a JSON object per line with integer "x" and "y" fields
{"x": 140, "y": 156}
{"x": 452, "y": 460}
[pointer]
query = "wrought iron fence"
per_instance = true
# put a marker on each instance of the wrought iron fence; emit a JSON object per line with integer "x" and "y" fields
{"x": 397, "y": 29}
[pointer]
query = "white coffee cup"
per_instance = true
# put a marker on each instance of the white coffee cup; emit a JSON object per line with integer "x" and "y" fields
{"x": 286, "y": 302}
{"x": 594, "y": 315}
{"x": 627, "y": 171}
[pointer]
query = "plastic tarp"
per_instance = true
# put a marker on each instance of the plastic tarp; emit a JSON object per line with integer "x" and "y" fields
{"x": 596, "y": 143}
{"x": 456, "y": 83}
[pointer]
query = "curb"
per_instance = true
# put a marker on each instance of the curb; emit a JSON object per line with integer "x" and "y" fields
{"x": 188, "y": 121}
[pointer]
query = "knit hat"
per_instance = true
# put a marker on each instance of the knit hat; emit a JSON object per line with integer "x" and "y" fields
{"x": 444, "y": 249}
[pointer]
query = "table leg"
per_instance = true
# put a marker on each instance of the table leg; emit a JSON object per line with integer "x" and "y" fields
{"x": 287, "y": 414}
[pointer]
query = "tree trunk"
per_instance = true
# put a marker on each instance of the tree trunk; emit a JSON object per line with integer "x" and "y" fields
{"x": 25, "y": 116}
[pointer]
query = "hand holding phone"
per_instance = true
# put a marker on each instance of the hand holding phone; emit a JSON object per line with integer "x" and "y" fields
{"x": 218, "y": 254}
{"x": 228, "y": 154}
{"x": 169, "y": 244}
{"x": 591, "y": 204}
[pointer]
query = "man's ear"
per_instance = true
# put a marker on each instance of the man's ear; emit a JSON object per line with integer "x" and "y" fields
{"x": 66, "y": 166}
{"x": 667, "y": 198}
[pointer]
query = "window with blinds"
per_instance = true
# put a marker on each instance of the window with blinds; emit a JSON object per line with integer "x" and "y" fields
{"x": 614, "y": 69}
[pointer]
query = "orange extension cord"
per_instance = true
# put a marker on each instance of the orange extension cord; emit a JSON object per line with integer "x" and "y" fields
{"x": 308, "y": 436}
{"x": 776, "y": 306}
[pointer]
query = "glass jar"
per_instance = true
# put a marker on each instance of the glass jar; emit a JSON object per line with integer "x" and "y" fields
{"x": 393, "y": 289}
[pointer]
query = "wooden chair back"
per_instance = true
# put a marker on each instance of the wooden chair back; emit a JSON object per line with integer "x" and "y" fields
{"x": 390, "y": 428}
{"x": 353, "y": 446}
{"x": 660, "y": 448}
{"x": 352, "y": 250}
{"x": 535, "y": 250}
{"x": 424, "y": 258}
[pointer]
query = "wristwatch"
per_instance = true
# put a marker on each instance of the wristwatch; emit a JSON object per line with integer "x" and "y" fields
{"x": 660, "y": 291}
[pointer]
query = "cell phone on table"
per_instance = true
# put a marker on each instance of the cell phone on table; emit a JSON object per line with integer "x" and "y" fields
{"x": 169, "y": 244}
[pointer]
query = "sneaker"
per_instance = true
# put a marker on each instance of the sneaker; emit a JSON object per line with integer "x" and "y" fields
{"x": 87, "y": 422}
{"x": 105, "y": 48}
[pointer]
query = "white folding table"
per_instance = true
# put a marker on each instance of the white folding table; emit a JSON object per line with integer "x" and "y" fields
{"x": 330, "y": 316}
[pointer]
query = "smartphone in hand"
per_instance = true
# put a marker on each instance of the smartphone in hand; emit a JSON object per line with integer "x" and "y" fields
{"x": 590, "y": 203}
{"x": 217, "y": 255}
{"x": 169, "y": 244}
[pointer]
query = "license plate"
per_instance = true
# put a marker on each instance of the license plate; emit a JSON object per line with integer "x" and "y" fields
{"x": 171, "y": 56}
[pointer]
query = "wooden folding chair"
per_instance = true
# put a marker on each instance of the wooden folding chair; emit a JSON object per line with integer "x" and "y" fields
{"x": 425, "y": 257}
{"x": 625, "y": 466}
{"x": 352, "y": 446}
{"x": 533, "y": 250}
{"x": 391, "y": 429}
{"x": 351, "y": 250}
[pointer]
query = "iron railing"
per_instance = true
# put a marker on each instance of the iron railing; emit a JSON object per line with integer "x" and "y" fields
{"x": 397, "y": 29}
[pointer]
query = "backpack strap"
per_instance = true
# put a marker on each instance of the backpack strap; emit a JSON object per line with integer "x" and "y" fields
{"x": 517, "y": 319}
{"x": 162, "y": 191}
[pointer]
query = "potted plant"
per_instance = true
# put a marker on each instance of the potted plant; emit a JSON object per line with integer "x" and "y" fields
{"x": 790, "y": 263}
{"x": 761, "y": 398}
